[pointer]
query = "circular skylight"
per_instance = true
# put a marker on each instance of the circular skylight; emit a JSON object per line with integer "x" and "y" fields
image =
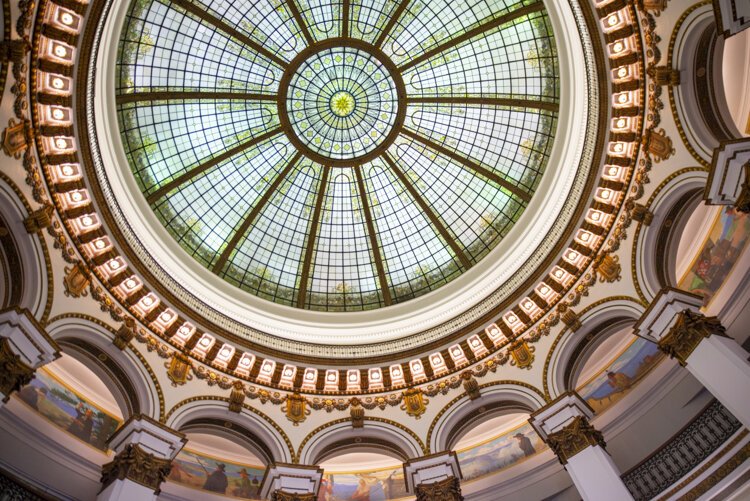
{"x": 337, "y": 156}
{"x": 342, "y": 102}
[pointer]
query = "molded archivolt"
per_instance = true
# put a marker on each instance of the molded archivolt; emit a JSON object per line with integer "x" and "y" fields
{"x": 91, "y": 344}
{"x": 698, "y": 54}
{"x": 574, "y": 347}
{"x": 655, "y": 249}
{"x": 32, "y": 272}
{"x": 460, "y": 414}
{"x": 269, "y": 442}
{"x": 377, "y": 435}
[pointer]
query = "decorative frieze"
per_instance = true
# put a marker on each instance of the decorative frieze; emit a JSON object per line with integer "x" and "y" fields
{"x": 133, "y": 463}
{"x": 445, "y": 490}
{"x": 689, "y": 330}
{"x": 573, "y": 438}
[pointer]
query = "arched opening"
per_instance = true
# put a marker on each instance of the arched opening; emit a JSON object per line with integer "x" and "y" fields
{"x": 736, "y": 60}
{"x": 73, "y": 398}
{"x": 363, "y": 474}
{"x": 218, "y": 460}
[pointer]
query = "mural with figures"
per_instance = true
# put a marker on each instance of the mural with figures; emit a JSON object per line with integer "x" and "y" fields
{"x": 727, "y": 239}
{"x": 69, "y": 410}
{"x": 219, "y": 476}
{"x": 621, "y": 375}
{"x": 375, "y": 485}
{"x": 499, "y": 452}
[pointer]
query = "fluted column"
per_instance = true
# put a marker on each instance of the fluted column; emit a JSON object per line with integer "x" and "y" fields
{"x": 700, "y": 344}
{"x": 24, "y": 347}
{"x": 434, "y": 478}
{"x": 144, "y": 450}
{"x": 564, "y": 425}
{"x": 291, "y": 482}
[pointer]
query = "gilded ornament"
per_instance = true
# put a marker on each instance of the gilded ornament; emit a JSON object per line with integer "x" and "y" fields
{"x": 687, "y": 333}
{"x": 608, "y": 267}
{"x": 641, "y": 214}
{"x": 291, "y": 496}
{"x": 522, "y": 354}
{"x": 125, "y": 334}
{"x": 658, "y": 145}
{"x": 135, "y": 464}
{"x": 664, "y": 75}
{"x": 296, "y": 408}
{"x": 16, "y": 138}
{"x": 14, "y": 372}
{"x": 39, "y": 219}
{"x": 653, "y": 6}
{"x": 415, "y": 404}
{"x": 357, "y": 412}
{"x": 76, "y": 280}
{"x": 178, "y": 369}
{"x": 471, "y": 386}
{"x": 448, "y": 489}
{"x": 569, "y": 317}
{"x": 237, "y": 397}
{"x": 573, "y": 438}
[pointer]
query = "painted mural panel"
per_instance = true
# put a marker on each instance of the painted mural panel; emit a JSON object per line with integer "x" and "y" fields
{"x": 621, "y": 375}
{"x": 714, "y": 262}
{"x": 376, "y": 485}
{"x": 200, "y": 471}
{"x": 69, "y": 410}
{"x": 499, "y": 452}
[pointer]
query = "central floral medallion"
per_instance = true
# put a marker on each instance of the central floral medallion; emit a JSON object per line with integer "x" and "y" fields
{"x": 340, "y": 104}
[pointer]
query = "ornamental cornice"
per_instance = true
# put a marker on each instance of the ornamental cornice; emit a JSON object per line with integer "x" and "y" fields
{"x": 574, "y": 438}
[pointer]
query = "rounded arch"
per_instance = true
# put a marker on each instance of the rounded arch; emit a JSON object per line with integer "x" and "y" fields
{"x": 32, "y": 258}
{"x": 655, "y": 249}
{"x": 699, "y": 101}
{"x": 266, "y": 438}
{"x": 573, "y": 348}
{"x": 90, "y": 343}
{"x": 502, "y": 397}
{"x": 377, "y": 435}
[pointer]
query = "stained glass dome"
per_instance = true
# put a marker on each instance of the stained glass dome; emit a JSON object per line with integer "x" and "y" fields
{"x": 337, "y": 156}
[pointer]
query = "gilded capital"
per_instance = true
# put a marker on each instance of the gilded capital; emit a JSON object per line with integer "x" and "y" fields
{"x": 573, "y": 438}
{"x": 133, "y": 463}
{"x": 687, "y": 333}
{"x": 291, "y": 496}
{"x": 14, "y": 372}
{"x": 444, "y": 490}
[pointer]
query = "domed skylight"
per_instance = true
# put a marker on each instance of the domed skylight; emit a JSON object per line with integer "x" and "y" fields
{"x": 337, "y": 156}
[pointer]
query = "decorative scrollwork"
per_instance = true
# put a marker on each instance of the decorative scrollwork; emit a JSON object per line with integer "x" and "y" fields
{"x": 135, "y": 464}
{"x": 573, "y": 438}
{"x": 444, "y": 490}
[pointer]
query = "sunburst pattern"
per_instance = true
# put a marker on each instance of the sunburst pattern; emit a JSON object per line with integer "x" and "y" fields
{"x": 337, "y": 156}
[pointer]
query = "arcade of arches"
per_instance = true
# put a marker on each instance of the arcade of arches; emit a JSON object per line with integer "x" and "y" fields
{"x": 348, "y": 250}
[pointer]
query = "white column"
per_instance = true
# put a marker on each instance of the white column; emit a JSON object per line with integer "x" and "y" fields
{"x": 284, "y": 481}
{"x": 699, "y": 343}
{"x": 436, "y": 476}
{"x": 564, "y": 426}
{"x": 24, "y": 347}
{"x": 144, "y": 450}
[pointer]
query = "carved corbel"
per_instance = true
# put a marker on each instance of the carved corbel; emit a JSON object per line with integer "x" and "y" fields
{"x": 76, "y": 280}
{"x": 664, "y": 75}
{"x": 125, "y": 334}
{"x": 14, "y": 372}
{"x": 357, "y": 412}
{"x": 569, "y": 317}
{"x": 237, "y": 397}
{"x": 39, "y": 219}
{"x": 471, "y": 386}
